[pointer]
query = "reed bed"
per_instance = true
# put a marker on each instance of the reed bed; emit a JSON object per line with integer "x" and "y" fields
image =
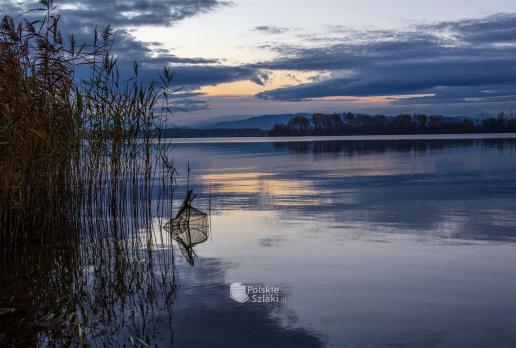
{"x": 85, "y": 183}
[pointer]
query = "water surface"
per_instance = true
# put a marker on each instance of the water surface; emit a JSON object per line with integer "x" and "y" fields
{"x": 384, "y": 243}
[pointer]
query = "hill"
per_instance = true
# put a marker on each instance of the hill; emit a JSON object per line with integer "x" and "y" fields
{"x": 263, "y": 122}
{"x": 208, "y": 133}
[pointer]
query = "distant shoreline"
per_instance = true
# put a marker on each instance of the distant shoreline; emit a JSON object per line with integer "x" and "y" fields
{"x": 394, "y": 137}
{"x": 177, "y": 133}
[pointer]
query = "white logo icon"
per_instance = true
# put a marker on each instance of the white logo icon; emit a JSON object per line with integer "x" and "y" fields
{"x": 238, "y": 292}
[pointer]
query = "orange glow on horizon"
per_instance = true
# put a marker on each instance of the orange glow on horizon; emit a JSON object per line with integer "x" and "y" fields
{"x": 233, "y": 89}
{"x": 246, "y": 88}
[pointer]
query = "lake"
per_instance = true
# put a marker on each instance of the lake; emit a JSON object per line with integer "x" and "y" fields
{"x": 372, "y": 242}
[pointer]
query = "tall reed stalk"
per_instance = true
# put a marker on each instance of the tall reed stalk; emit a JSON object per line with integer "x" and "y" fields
{"x": 81, "y": 165}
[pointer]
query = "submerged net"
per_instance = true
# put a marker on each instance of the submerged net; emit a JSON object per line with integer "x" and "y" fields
{"x": 188, "y": 228}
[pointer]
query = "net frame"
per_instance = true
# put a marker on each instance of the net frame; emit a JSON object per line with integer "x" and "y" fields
{"x": 189, "y": 228}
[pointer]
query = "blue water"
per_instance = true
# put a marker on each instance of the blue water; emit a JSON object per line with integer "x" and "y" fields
{"x": 374, "y": 243}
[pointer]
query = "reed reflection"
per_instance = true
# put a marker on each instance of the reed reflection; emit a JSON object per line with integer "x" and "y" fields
{"x": 101, "y": 283}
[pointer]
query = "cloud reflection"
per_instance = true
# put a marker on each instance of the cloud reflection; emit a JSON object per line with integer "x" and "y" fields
{"x": 439, "y": 188}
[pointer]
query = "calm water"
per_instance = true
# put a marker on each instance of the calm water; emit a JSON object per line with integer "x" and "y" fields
{"x": 379, "y": 243}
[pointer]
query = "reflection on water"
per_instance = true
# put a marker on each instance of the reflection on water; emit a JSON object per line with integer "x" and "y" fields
{"x": 98, "y": 279}
{"x": 376, "y": 243}
{"x": 98, "y": 291}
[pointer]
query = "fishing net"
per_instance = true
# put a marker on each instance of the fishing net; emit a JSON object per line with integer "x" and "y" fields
{"x": 188, "y": 228}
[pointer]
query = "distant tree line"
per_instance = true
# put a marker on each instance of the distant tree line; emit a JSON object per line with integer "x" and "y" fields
{"x": 351, "y": 124}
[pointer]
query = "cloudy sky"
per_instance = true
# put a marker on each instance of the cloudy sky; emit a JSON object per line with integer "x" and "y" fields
{"x": 245, "y": 57}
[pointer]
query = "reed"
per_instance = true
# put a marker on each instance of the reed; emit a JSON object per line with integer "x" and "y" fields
{"x": 81, "y": 167}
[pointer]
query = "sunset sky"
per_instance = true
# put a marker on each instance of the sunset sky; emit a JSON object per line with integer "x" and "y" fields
{"x": 243, "y": 58}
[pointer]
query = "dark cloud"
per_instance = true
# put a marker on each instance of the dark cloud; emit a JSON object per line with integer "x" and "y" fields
{"x": 473, "y": 57}
{"x": 407, "y": 78}
{"x": 210, "y": 74}
{"x": 461, "y": 95}
{"x": 261, "y": 78}
{"x": 271, "y": 29}
{"x": 86, "y": 14}
{"x": 84, "y": 18}
{"x": 496, "y": 29}
{"x": 189, "y": 105}
{"x": 190, "y": 77}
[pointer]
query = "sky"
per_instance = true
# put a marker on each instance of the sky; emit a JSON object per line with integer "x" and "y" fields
{"x": 234, "y": 59}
